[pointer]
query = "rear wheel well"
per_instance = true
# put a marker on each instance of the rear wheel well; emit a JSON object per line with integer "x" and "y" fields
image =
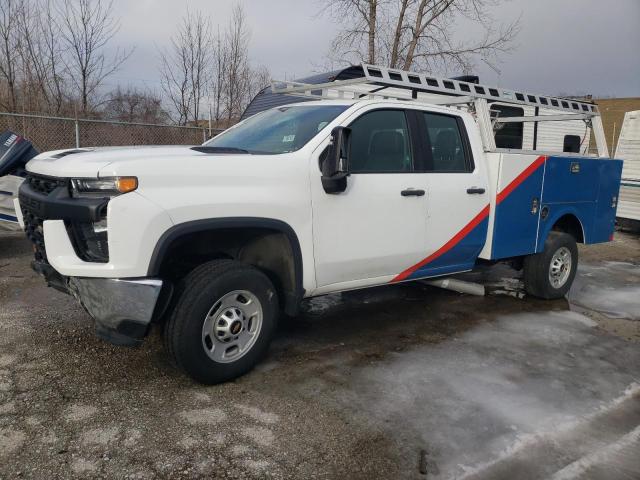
{"x": 570, "y": 224}
{"x": 273, "y": 251}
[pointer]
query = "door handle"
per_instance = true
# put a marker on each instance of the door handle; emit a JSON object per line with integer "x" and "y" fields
{"x": 475, "y": 190}
{"x": 412, "y": 192}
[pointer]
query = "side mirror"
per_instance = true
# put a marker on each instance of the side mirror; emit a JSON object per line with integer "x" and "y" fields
{"x": 335, "y": 167}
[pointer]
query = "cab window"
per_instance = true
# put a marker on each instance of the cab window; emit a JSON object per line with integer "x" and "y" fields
{"x": 447, "y": 144}
{"x": 380, "y": 143}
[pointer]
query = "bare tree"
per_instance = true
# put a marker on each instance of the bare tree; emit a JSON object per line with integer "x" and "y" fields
{"x": 184, "y": 67}
{"x": 358, "y": 38}
{"x": 31, "y": 66}
{"x": 33, "y": 69}
{"x": 52, "y": 47}
{"x": 134, "y": 105}
{"x": 9, "y": 43}
{"x": 37, "y": 66}
{"x": 86, "y": 27}
{"x": 174, "y": 78}
{"x": 234, "y": 82}
{"x": 218, "y": 78}
{"x": 237, "y": 72}
{"x": 419, "y": 33}
{"x": 230, "y": 69}
{"x": 260, "y": 78}
{"x": 201, "y": 42}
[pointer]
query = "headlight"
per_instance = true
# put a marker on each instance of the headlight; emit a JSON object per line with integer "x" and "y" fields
{"x": 92, "y": 187}
{"x": 90, "y": 239}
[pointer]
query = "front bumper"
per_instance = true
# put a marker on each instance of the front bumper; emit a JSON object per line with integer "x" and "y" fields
{"x": 122, "y": 308}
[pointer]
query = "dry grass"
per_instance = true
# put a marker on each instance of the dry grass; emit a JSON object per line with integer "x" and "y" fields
{"x": 612, "y": 111}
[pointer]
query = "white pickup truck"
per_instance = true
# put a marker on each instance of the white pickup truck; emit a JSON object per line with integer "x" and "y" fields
{"x": 213, "y": 242}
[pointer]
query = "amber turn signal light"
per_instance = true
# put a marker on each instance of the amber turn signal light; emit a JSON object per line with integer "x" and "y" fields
{"x": 126, "y": 184}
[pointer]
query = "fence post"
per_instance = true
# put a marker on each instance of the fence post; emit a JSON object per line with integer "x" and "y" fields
{"x": 77, "y": 134}
{"x": 204, "y": 135}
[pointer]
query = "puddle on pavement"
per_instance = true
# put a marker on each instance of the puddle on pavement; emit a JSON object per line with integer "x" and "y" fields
{"x": 502, "y": 369}
{"x": 611, "y": 288}
{"x": 472, "y": 397}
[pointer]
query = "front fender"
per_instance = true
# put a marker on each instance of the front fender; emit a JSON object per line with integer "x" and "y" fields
{"x": 134, "y": 223}
{"x": 207, "y": 225}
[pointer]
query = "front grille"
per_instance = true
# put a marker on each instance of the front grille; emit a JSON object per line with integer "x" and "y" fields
{"x": 30, "y": 208}
{"x": 45, "y": 185}
{"x": 33, "y": 229}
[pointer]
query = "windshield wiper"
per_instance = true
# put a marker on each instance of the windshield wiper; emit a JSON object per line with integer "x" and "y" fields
{"x": 205, "y": 149}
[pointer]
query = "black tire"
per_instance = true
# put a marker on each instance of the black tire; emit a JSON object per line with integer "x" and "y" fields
{"x": 196, "y": 295}
{"x": 537, "y": 280}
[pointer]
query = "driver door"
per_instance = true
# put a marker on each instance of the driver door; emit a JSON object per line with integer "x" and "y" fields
{"x": 377, "y": 226}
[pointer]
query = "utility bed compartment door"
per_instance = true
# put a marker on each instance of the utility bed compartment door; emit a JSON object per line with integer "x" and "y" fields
{"x": 571, "y": 180}
{"x": 534, "y": 192}
{"x": 584, "y": 187}
{"x": 517, "y": 201}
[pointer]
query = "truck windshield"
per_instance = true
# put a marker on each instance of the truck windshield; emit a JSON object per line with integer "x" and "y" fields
{"x": 279, "y": 130}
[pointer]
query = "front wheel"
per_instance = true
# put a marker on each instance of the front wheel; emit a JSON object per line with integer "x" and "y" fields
{"x": 550, "y": 274}
{"x": 222, "y": 322}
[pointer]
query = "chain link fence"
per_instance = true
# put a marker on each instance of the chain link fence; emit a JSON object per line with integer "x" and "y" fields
{"x": 54, "y": 133}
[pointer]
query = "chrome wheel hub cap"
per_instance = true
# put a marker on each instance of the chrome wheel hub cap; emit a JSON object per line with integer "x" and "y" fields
{"x": 560, "y": 267}
{"x": 232, "y": 326}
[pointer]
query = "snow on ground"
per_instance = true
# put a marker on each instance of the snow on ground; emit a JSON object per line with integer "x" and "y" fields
{"x": 479, "y": 398}
{"x": 611, "y": 288}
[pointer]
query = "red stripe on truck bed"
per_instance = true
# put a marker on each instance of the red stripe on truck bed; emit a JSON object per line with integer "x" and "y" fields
{"x": 520, "y": 178}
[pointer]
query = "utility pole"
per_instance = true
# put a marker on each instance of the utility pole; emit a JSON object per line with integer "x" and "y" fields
{"x": 613, "y": 138}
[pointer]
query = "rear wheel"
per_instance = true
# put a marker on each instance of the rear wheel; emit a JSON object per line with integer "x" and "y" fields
{"x": 550, "y": 274}
{"x": 222, "y": 322}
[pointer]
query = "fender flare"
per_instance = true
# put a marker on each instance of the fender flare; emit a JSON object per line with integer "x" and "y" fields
{"x": 175, "y": 232}
{"x": 549, "y": 222}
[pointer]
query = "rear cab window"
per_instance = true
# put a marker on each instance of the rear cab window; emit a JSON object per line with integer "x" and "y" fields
{"x": 445, "y": 143}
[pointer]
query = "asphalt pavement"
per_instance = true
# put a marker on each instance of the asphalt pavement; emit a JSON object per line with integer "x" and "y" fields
{"x": 407, "y": 381}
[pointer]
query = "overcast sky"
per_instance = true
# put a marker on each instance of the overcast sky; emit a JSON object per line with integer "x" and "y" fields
{"x": 564, "y": 47}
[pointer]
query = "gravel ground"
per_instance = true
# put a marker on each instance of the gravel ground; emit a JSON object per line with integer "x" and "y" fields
{"x": 403, "y": 382}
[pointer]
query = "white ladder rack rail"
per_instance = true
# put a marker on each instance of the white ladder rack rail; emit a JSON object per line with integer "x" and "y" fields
{"x": 377, "y": 76}
{"x": 376, "y": 81}
{"x": 448, "y": 86}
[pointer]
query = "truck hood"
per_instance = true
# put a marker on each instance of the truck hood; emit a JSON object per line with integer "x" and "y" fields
{"x": 88, "y": 162}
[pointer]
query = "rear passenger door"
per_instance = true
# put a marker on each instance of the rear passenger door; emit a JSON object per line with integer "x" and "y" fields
{"x": 457, "y": 195}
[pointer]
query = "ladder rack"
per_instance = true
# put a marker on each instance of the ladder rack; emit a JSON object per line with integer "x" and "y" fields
{"x": 389, "y": 83}
{"x": 378, "y": 79}
{"x": 447, "y": 86}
